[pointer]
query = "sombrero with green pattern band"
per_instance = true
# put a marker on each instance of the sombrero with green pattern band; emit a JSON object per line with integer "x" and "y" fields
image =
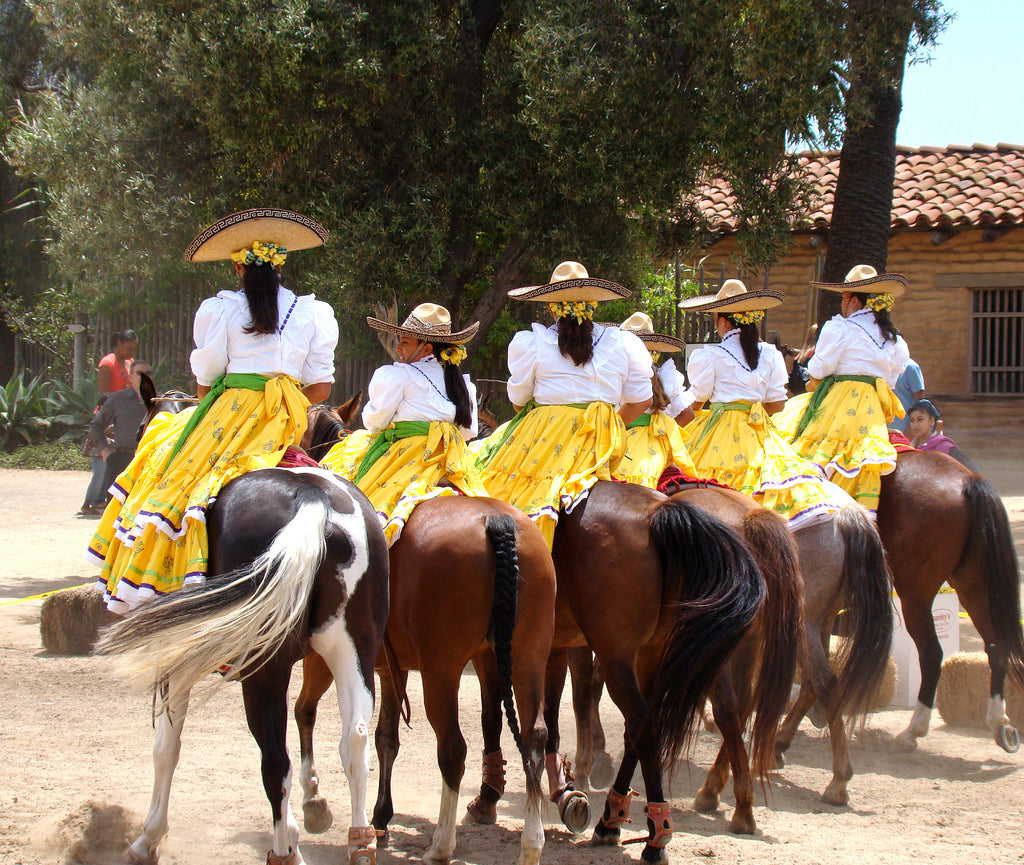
{"x": 284, "y": 228}
{"x": 640, "y": 323}
{"x": 570, "y": 281}
{"x": 733, "y": 297}
{"x": 428, "y": 322}
{"x": 864, "y": 279}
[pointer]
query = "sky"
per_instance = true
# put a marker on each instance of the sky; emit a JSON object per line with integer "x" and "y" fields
{"x": 972, "y": 91}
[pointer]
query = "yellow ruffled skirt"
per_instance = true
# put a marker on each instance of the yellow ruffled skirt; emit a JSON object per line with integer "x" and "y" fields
{"x": 552, "y": 459}
{"x": 652, "y": 449}
{"x": 152, "y": 537}
{"x": 408, "y": 472}
{"x": 744, "y": 450}
{"x": 848, "y": 438}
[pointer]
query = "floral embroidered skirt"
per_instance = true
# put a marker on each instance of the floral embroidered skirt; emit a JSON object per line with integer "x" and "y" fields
{"x": 651, "y": 449}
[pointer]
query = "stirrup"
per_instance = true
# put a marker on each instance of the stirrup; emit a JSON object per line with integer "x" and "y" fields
{"x": 658, "y": 814}
{"x": 616, "y": 808}
{"x": 362, "y": 845}
{"x": 289, "y": 859}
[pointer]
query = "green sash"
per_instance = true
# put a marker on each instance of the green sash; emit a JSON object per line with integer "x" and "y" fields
{"x": 247, "y": 380}
{"x": 489, "y": 449}
{"x": 643, "y": 420}
{"x": 818, "y": 397}
{"x": 717, "y": 410}
{"x": 403, "y": 429}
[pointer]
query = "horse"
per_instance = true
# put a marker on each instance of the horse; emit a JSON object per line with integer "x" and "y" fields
{"x": 297, "y": 562}
{"x": 468, "y": 575}
{"x": 757, "y": 676}
{"x": 939, "y": 523}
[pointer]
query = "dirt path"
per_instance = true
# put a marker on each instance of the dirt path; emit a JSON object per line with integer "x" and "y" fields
{"x": 75, "y": 743}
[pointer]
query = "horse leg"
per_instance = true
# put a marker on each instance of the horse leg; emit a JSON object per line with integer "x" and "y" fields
{"x": 789, "y": 726}
{"x": 387, "y": 741}
{"x": 528, "y": 685}
{"x": 823, "y": 683}
{"x": 316, "y": 679}
{"x": 483, "y": 808}
{"x": 920, "y": 625}
{"x": 265, "y": 695}
{"x": 581, "y": 669}
{"x": 573, "y": 805}
{"x": 441, "y": 704}
{"x": 170, "y": 719}
{"x": 355, "y": 703}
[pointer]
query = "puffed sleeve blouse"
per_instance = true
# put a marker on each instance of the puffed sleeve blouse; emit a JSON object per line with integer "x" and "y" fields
{"x": 855, "y": 346}
{"x": 303, "y": 346}
{"x": 680, "y": 398}
{"x": 719, "y": 373}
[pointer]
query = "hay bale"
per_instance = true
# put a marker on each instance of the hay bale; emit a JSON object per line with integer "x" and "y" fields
{"x": 70, "y": 620}
{"x": 886, "y": 687}
{"x": 962, "y": 695}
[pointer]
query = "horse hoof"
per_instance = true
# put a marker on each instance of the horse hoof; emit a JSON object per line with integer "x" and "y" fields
{"x": 482, "y": 811}
{"x": 907, "y": 741}
{"x": 316, "y": 815}
{"x": 604, "y": 837}
{"x": 602, "y": 772}
{"x": 150, "y": 857}
{"x": 574, "y": 810}
{"x": 818, "y": 716}
{"x": 744, "y": 825}
{"x": 362, "y": 857}
{"x": 1007, "y": 738}
{"x": 654, "y": 855}
{"x": 835, "y": 795}
{"x": 706, "y": 803}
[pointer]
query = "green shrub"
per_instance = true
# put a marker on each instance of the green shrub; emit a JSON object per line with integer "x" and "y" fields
{"x": 61, "y": 455}
{"x": 24, "y": 413}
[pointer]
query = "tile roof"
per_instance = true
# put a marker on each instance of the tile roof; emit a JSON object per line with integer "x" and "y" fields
{"x": 935, "y": 187}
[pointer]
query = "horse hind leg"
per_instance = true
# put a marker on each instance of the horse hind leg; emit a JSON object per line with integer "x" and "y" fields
{"x": 920, "y": 625}
{"x": 170, "y": 719}
{"x": 483, "y": 808}
{"x": 441, "y": 705}
{"x": 316, "y": 679}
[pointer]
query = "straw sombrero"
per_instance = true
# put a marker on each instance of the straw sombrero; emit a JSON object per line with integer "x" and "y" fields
{"x": 266, "y": 224}
{"x": 640, "y": 323}
{"x": 865, "y": 279}
{"x": 733, "y": 297}
{"x": 570, "y": 281}
{"x": 429, "y": 322}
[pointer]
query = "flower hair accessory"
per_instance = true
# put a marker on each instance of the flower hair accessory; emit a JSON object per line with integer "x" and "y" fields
{"x": 260, "y": 253}
{"x": 883, "y": 302}
{"x": 753, "y": 316}
{"x": 454, "y": 354}
{"x": 655, "y": 356}
{"x": 578, "y": 309}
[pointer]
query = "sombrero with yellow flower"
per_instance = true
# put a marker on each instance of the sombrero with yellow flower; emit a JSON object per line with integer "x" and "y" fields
{"x": 571, "y": 282}
{"x": 267, "y": 226}
{"x": 428, "y": 322}
{"x": 733, "y": 297}
{"x": 864, "y": 279}
{"x": 640, "y": 323}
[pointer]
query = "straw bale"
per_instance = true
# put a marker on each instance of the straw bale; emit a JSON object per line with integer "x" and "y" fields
{"x": 70, "y": 620}
{"x": 962, "y": 695}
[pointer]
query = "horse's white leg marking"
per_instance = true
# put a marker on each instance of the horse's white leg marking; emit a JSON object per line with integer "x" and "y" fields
{"x": 166, "y": 749}
{"x": 443, "y": 844}
{"x": 286, "y": 830}
{"x": 996, "y": 717}
{"x": 917, "y": 727}
{"x": 532, "y": 839}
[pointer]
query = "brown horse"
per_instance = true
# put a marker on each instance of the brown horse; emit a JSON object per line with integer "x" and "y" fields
{"x": 662, "y": 592}
{"x": 941, "y": 523}
{"x": 467, "y": 575}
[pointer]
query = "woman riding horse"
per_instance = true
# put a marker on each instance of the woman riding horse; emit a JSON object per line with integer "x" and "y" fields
{"x": 654, "y": 440}
{"x": 566, "y": 382}
{"x": 841, "y": 426}
{"x": 418, "y": 417}
{"x": 262, "y": 355}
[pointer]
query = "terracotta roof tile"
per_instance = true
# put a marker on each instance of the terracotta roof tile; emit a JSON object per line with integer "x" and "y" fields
{"x": 934, "y": 186}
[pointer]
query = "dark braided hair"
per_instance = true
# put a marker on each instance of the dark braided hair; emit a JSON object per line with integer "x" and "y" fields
{"x": 575, "y": 340}
{"x": 455, "y": 388}
{"x": 260, "y": 283}
{"x": 661, "y": 399}
{"x": 749, "y": 338}
{"x": 882, "y": 318}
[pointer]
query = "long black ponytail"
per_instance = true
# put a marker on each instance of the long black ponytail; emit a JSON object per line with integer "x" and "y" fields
{"x": 749, "y": 339}
{"x": 882, "y": 318}
{"x": 455, "y": 388}
{"x": 260, "y": 283}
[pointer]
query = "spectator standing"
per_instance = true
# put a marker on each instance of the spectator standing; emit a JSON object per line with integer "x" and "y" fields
{"x": 112, "y": 372}
{"x": 124, "y": 411}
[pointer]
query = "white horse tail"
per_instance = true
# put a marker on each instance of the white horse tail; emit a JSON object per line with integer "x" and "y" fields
{"x": 240, "y": 618}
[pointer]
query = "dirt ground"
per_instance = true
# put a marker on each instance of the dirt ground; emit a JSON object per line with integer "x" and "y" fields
{"x": 76, "y": 743}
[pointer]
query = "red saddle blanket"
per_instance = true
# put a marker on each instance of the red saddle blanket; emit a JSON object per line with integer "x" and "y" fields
{"x": 672, "y": 480}
{"x": 900, "y": 441}
{"x": 295, "y": 458}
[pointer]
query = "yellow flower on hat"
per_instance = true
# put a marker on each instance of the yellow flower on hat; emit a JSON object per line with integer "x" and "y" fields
{"x": 881, "y": 302}
{"x": 259, "y": 253}
{"x": 578, "y": 309}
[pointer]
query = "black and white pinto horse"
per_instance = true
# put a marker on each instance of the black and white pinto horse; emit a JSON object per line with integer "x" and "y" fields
{"x": 297, "y": 563}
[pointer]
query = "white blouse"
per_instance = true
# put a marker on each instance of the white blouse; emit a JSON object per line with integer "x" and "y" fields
{"x": 413, "y": 391}
{"x": 618, "y": 373}
{"x": 854, "y": 346}
{"x": 679, "y": 396}
{"x": 719, "y": 373}
{"x": 303, "y": 346}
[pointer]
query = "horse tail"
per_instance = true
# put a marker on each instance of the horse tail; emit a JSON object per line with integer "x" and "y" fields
{"x": 867, "y": 583}
{"x": 772, "y": 544}
{"x": 720, "y": 591}
{"x": 501, "y": 532}
{"x": 990, "y": 535}
{"x": 240, "y": 618}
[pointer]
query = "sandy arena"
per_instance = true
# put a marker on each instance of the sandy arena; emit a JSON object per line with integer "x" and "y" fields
{"x": 76, "y": 741}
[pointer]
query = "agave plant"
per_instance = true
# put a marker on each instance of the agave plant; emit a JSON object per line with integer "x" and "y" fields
{"x": 72, "y": 407}
{"x": 24, "y": 414}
